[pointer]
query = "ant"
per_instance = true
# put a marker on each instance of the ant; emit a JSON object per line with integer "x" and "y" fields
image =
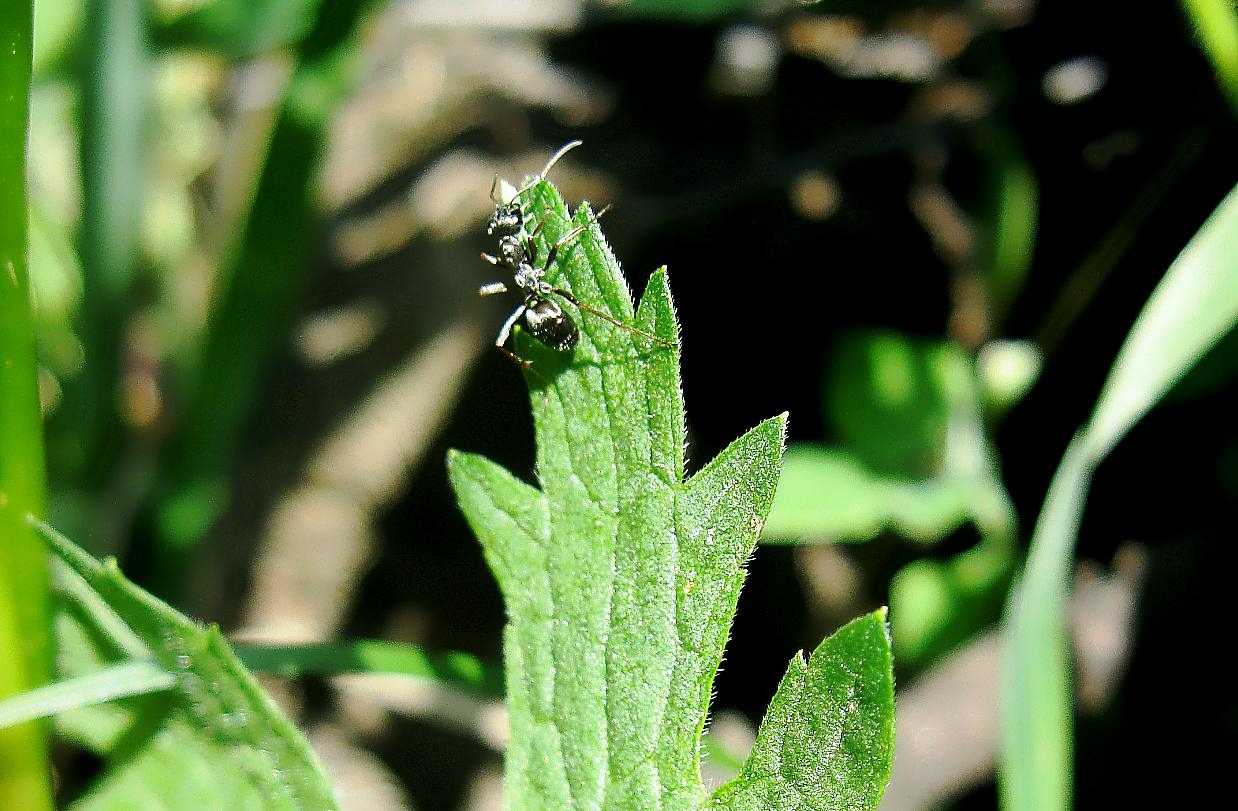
{"x": 539, "y": 313}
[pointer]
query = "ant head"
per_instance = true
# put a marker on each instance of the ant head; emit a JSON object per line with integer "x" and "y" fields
{"x": 507, "y": 217}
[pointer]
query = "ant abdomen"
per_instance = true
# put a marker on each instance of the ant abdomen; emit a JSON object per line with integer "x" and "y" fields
{"x": 549, "y": 324}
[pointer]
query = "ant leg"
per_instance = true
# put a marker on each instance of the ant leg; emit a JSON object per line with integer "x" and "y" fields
{"x": 494, "y": 185}
{"x": 493, "y": 288}
{"x": 566, "y": 238}
{"x": 505, "y": 335}
{"x": 586, "y": 308}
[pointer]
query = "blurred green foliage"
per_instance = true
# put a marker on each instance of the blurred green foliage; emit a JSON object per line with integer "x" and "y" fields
{"x": 172, "y": 228}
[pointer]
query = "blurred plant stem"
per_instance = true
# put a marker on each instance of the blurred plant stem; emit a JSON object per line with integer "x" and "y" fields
{"x": 115, "y": 84}
{"x": 1077, "y": 293}
{"x": 261, "y": 284}
{"x": 25, "y": 626}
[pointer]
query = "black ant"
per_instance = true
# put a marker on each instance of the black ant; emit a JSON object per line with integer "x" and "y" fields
{"x": 540, "y": 314}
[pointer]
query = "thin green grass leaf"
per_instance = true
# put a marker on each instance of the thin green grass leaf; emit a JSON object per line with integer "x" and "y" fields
{"x": 1216, "y": 25}
{"x": 260, "y": 278}
{"x": 25, "y": 615}
{"x": 1190, "y": 310}
{"x": 215, "y": 739}
{"x": 118, "y": 681}
{"x": 452, "y": 668}
{"x": 114, "y": 107}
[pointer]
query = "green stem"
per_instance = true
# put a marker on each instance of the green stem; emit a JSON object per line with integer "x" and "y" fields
{"x": 25, "y": 625}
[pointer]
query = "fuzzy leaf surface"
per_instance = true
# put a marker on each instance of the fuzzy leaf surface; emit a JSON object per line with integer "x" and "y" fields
{"x": 620, "y": 575}
{"x": 214, "y": 740}
{"x": 827, "y": 740}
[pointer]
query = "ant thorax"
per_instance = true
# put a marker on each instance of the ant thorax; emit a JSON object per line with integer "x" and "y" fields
{"x": 513, "y": 251}
{"x": 530, "y": 278}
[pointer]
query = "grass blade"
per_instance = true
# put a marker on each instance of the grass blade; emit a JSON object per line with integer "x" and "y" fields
{"x": 25, "y": 624}
{"x": 1192, "y": 308}
{"x": 1216, "y": 24}
{"x": 119, "y": 681}
{"x": 451, "y": 668}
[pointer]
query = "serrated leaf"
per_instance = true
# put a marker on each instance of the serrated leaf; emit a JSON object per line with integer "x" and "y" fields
{"x": 216, "y": 739}
{"x": 620, "y": 577}
{"x": 827, "y": 740}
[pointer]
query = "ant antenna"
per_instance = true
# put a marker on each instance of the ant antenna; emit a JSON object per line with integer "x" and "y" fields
{"x": 555, "y": 158}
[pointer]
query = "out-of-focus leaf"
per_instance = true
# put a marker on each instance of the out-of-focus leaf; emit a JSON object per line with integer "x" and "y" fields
{"x": 117, "y": 681}
{"x": 216, "y": 739}
{"x": 890, "y": 400}
{"x": 827, "y": 495}
{"x": 25, "y": 618}
{"x": 1190, "y": 310}
{"x": 1013, "y": 228}
{"x": 937, "y": 605}
{"x": 827, "y": 740}
{"x": 56, "y": 22}
{"x": 55, "y": 271}
{"x": 1006, "y": 371}
{"x": 243, "y": 28}
{"x": 259, "y": 287}
{"x": 452, "y": 668}
{"x": 693, "y": 11}
{"x": 1216, "y": 24}
{"x": 115, "y": 90}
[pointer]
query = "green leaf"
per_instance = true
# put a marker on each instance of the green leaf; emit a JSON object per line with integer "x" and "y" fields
{"x": 25, "y": 617}
{"x": 620, "y": 577}
{"x": 1012, "y": 227}
{"x": 1216, "y": 24}
{"x": 259, "y": 283}
{"x": 890, "y": 399}
{"x": 216, "y": 738}
{"x": 1190, "y": 310}
{"x": 372, "y": 656}
{"x": 117, "y": 681}
{"x": 114, "y": 115}
{"x": 828, "y": 495}
{"x": 827, "y": 741}
{"x": 244, "y": 28}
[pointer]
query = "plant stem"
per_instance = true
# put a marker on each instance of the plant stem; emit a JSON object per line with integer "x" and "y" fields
{"x": 25, "y": 627}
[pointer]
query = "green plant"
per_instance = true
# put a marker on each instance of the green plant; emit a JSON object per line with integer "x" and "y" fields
{"x": 1192, "y": 308}
{"x": 184, "y": 719}
{"x": 621, "y": 577}
{"x": 24, "y": 625}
